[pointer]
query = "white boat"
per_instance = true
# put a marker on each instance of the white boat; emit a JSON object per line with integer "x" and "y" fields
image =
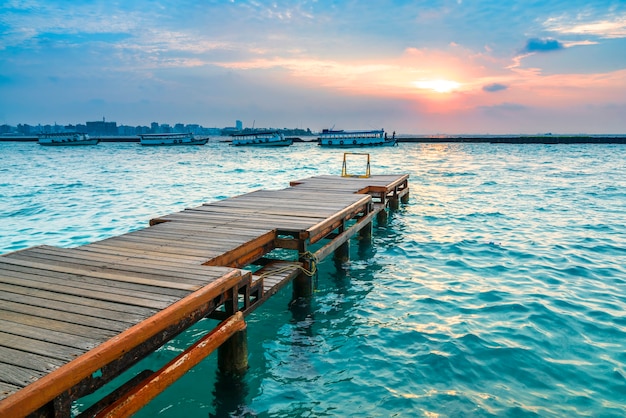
{"x": 261, "y": 139}
{"x": 67, "y": 138}
{"x": 171, "y": 139}
{"x": 345, "y": 139}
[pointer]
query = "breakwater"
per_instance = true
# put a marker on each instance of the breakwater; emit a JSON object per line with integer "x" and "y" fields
{"x": 426, "y": 139}
{"x": 520, "y": 139}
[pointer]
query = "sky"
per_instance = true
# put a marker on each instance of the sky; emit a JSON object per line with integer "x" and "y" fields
{"x": 414, "y": 67}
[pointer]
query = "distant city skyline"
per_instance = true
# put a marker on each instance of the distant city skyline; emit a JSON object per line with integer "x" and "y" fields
{"x": 104, "y": 127}
{"x": 417, "y": 67}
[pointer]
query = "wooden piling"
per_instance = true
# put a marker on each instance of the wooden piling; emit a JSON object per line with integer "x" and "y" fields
{"x": 382, "y": 217}
{"x": 232, "y": 355}
{"x": 365, "y": 234}
{"x": 303, "y": 286}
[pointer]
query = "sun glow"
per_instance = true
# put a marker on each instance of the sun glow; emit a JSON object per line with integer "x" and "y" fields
{"x": 439, "y": 86}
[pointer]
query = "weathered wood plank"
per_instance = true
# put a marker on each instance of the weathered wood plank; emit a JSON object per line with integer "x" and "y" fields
{"x": 102, "y": 290}
{"x": 6, "y": 388}
{"x": 63, "y": 256}
{"x": 81, "y": 343}
{"x": 87, "y": 318}
{"x": 142, "y": 254}
{"x": 57, "y": 351}
{"x": 54, "y": 325}
{"x": 18, "y": 376}
{"x": 69, "y": 306}
{"x": 139, "y": 279}
{"x": 27, "y": 360}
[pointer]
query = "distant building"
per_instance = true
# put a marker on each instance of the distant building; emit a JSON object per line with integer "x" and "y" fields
{"x": 25, "y": 129}
{"x": 101, "y": 128}
{"x": 6, "y": 129}
{"x": 126, "y": 130}
{"x": 229, "y": 130}
{"x": 194, "y": 129}
{"x": 238, "y": 125}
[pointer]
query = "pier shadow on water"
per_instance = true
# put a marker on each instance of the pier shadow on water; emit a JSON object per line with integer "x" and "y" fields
{"x": 229, "y": 396}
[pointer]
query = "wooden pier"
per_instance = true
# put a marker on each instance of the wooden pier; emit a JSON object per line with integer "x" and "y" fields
{"x": 73, "y": 319}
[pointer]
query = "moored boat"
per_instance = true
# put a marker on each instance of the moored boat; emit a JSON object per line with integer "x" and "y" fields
{"x": 171, "y": 139}
{"x": 261, "y": 139}
{"x": 345, "y": 139}
{"x": 66, "y": 138}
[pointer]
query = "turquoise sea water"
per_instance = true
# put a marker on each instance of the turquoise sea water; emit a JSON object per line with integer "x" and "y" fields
{"x": 499, "y": 290}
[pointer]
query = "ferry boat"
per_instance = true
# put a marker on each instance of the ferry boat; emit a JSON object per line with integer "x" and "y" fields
{"x": 171, "y": 139}
{"x": 261, "y": 139}
{"x": 66, "y": 138}
{"x": 345, "y": 139}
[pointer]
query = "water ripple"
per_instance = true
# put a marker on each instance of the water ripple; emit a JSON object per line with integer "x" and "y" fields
{"x": 498, "y": 291}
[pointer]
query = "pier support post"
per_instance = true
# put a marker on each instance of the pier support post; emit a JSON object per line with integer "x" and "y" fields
{"x": 382, "y": 217}
{"x": 232, "y": 355}
{"x": 365, "y": 234}
{"x": 405, "y": 198}
{"x": 302, "y": 286}
{"x": 303, "y": 283}
{"x": 394, "y": 202}
{"x": 342, "y": 253}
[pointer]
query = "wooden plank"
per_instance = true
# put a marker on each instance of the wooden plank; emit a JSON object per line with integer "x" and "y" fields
{"x": 54, "y": 325}
{"x": 97, "y": 274}
{"x": 205, "y": 218}
{"x": 96, "y": 248}
{"x": 194, "y": 275}
{"x": 83, "y": 307}
{"x": 30, "y": 361}
{"x": 46, "y": 388}
{"x": 88, "y": 317}
{"x": 82, "y": 343}
{"x": 293, "y": 214}
{"x": 271, "y": 205}
{"x": 18, "y": 377}
{"x": 105, "y": 290}
{"x": 57, "y": 351}
{"x": 6, "y": 388}
{"x": 177, "y": 229}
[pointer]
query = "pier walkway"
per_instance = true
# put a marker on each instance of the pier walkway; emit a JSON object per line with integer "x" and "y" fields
{"x": 73, "y": 319}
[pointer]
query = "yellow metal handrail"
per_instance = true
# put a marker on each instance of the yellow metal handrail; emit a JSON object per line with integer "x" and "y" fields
{"x": 344, "y": 167}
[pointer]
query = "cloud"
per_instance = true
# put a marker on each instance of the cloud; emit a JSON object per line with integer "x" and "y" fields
{"x": 542, "y": 45}
{"x": 490, "y": 88}
{"x": 609, "y": 27}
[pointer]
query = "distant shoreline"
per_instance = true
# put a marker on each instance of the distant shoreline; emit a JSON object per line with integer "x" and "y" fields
{"x": 436, "y": 139}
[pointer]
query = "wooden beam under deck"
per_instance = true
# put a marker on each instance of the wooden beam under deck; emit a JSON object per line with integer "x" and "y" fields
{"x": 71, "y": 320}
